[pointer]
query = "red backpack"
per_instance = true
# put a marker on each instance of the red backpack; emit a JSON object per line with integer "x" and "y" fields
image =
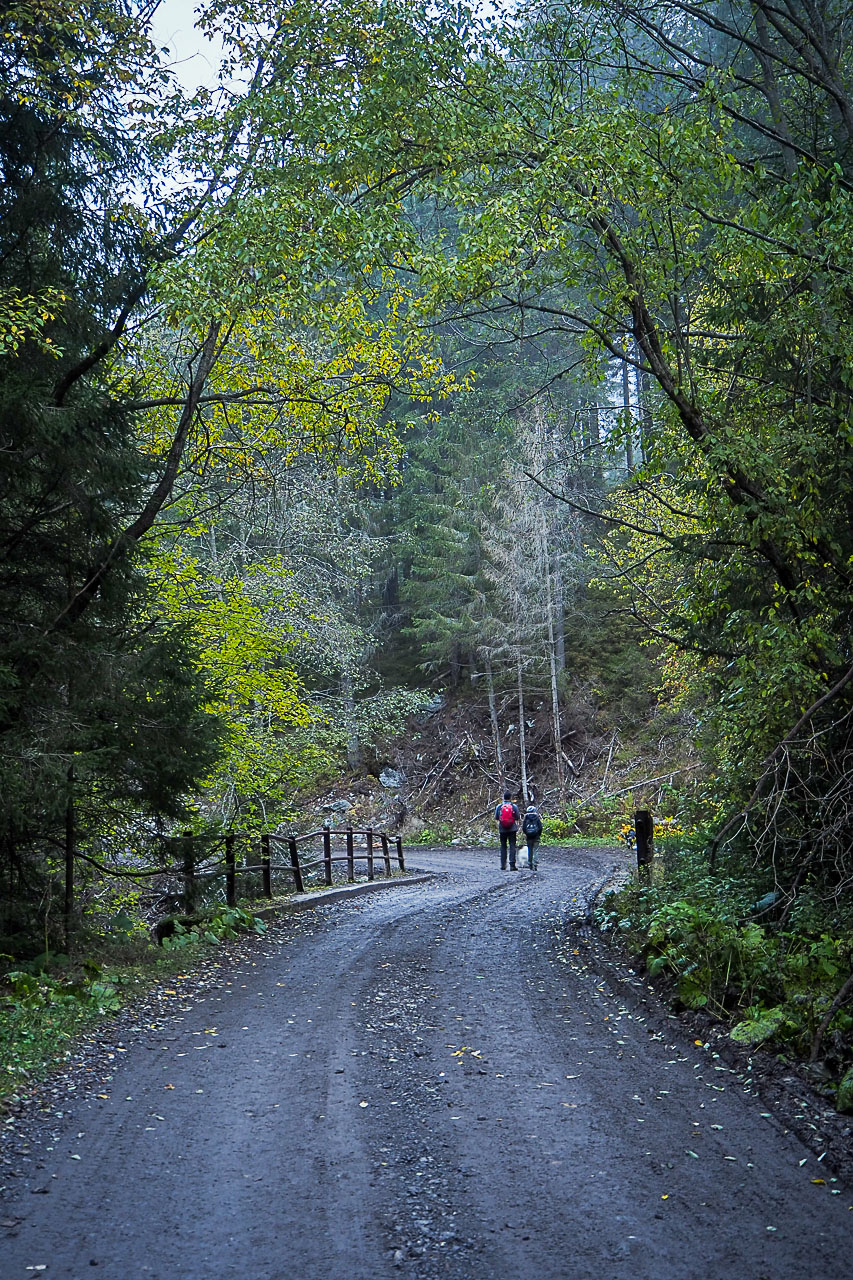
{"x": 506, "y": 817}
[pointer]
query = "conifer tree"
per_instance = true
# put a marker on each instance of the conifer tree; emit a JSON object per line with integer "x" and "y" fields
{"x": 99, "y": 705}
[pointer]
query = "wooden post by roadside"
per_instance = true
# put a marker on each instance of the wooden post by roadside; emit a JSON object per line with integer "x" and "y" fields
{"x": 369, "y": 853}
{"x": 266, "y": 868}
{"x": 189, "y": 872}
{"x": 294, "y": 862}
{"x": 644, "y": 826}
{"x": 350, "y": 856}
{"x": 327, "y": 854}
{"x": 386, "y": 854}
{"x": 399, "y": 843}
{"x": 230, "y": 871}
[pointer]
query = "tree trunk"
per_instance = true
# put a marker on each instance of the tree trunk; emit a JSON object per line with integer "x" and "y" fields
{"x": 552, "y": 656}
{"x": 593, "y": 443}
{"x": 559, "y": 616}
{"x": 629, "y": 422}
{"x": 493, "y": 715}
{"x": 644, "y": 400}
{"x": 522, "y": 745}
{"x": 354, "y": 756}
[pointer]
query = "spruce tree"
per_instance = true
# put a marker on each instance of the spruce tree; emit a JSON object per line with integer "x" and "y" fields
{"x": 100, "y": 706}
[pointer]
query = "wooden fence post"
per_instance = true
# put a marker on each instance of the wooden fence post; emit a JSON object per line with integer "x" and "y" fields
{"x": 369, "y": 853}
{"x": 399, "y": 843}
{"x": 266, "y": 868}
{"x": 327, "y": 854}
{"x": 386, "y": 854}
{"x": 294, "y": 862}
{"x": 644, "y": 826}
{"x": 230, "y": 871}
{"x": 350, "y": 856}
{"x": 189, "y": 872}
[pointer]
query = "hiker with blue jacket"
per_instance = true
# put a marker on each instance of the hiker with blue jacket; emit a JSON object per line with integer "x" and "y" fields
{"x": 531, "y": 825}
{"x": 507, "y": 816}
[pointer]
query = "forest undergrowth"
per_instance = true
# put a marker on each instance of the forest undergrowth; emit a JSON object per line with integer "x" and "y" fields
{"x": 774, "y": 973}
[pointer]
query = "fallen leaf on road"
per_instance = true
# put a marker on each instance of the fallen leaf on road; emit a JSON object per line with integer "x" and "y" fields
{"x": 364, "y": 1104}
{"x": 819, "y": 1182}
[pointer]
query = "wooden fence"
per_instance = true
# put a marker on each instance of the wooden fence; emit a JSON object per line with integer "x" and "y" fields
{"x": 377, "y": 850}
{"x": 191, "y": 863}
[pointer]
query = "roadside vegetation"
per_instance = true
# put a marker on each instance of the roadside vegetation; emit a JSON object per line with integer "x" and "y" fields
{"x": 49, "y": 1001}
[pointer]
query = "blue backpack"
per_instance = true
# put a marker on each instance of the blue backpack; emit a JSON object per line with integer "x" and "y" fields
{"x": 532, "y": 824}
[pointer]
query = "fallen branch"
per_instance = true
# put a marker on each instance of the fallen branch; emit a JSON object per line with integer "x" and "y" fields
{"x": 451, "y": 759}
{"x": 609, "y": 758}
{"x": 647, "y": 782}
{"x": 568, "y": 762}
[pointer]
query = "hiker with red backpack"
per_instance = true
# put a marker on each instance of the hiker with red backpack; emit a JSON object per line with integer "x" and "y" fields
{"x": 507, "y": 816}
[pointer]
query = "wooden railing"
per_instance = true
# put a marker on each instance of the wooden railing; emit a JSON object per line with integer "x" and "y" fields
{"x": 377, "y": 850}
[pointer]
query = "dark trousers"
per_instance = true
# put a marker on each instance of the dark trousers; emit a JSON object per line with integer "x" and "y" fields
{"x": 507, "y": 838}
{"x": 532, "y": 846}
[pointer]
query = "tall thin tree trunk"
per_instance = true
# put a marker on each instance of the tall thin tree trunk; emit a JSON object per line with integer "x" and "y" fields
{"x": 595, "y": 443}
{"x": 629, "y": 423}
{"x": 559, "y": 616}
{"x": 522, "y": 745}
{"x": 771, "y": 90}
{"x": 552, "y": 655}
{"x": 644, "y": 400}
{"x": 493, "y": 715}
{"x": 354, "y": 756}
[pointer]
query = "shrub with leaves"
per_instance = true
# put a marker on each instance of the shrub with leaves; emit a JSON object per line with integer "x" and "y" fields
{"x": 227, "y": 923}
{"x": 777, "y": 983}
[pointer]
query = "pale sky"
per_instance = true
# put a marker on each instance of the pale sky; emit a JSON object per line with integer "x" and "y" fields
{"x": 194, "y": 58}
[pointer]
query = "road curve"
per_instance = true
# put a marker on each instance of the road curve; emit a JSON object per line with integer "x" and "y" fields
{"x": 416, "y": 1084}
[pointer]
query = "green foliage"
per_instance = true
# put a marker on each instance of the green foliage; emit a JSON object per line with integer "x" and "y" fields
{"x": 438, "y": 834}
{"x": 569, "y": 140}
{"x": 557, "y": 827}
{"x": 38, "y": 990}
{"x": 41, "y": 1012}
{"x": 225, "y": 923}
{"x": 99, "y": 700}
{"x": 774, "y": 986}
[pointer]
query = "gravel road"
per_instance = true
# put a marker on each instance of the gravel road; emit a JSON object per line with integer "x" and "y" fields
{"x": 422, "y": 1083}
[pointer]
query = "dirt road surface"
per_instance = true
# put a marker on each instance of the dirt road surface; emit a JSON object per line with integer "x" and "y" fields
{"x": 415, "y": 1084}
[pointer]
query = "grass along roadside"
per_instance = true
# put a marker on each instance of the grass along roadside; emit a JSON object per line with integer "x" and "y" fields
{"x": 47, "y": 1005}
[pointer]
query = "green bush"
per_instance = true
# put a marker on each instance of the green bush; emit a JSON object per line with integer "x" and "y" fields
{"x": 773, "y": 984}
{"x": 41, "y": 1012}
{"x": 440, "y": 833}
{"x": 557, "y": 827}
{"x": 226, "y": 923}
